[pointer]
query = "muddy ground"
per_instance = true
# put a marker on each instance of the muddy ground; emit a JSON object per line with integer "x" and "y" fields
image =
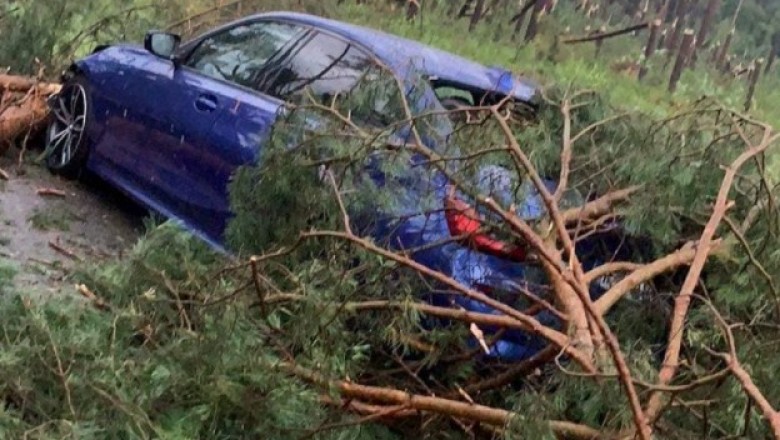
{"x": 46, "y": 236}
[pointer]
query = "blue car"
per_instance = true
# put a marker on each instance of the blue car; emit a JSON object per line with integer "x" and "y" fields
{"x": 169, "y": 124}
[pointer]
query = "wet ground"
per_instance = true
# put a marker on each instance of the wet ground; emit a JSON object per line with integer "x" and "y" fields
{"x": 45, "y": 236}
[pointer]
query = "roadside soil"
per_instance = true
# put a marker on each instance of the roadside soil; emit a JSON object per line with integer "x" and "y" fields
{"x": 46, "y": 236}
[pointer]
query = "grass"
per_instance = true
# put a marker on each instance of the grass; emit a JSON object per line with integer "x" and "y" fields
{"x": 48, "y": 218}
{"x": 552, "y": 63}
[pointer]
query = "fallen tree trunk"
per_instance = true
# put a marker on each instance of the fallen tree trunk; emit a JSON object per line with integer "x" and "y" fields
{"x": 14, "y": 83}
{"x": 23, "y": 107}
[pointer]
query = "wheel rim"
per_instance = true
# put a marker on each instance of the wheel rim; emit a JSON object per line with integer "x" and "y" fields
{"x": 67, "y": 126}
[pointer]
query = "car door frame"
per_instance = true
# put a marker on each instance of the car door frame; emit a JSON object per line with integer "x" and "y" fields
{"x": 186, "y": 49}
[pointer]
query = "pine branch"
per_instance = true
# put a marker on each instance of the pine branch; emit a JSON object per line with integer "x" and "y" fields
{"x": 683, "y": 300}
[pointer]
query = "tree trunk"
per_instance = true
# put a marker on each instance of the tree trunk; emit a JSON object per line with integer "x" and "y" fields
{"x": 679, "y": 23}
{"x": 773, "y": 52}
{"x": 707, "y": 21}
{"x": 770, "y": 61}
{"x": 753, "y": 80}
{"x": 652, "y": 43}
{"x": 599, "y": 42}
{"x": 519, "y": 18}
{"x": 533, "y": 23}
{"x": 24, "y": 109}
{"x": 412, "y": 9}
{"x": 721, "y": 61}
{"x": 477, "y": 15}
{"x": 686, "y": 47}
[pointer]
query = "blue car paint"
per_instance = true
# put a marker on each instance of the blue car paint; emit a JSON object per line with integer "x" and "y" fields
{"x": 171, "y": 138}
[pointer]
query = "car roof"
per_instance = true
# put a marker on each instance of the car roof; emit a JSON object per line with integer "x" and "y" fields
{"x": 402, "y": 54}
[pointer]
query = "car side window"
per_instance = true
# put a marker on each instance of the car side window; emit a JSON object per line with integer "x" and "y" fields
{"x": 317, "y": 62}
{"x": 237, "y": 54}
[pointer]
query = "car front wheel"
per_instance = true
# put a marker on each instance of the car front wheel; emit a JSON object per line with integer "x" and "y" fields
{"x": 66, "y": 135}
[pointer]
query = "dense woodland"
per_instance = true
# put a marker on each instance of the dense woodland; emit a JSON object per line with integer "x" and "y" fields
{"x": 658, "y": 113}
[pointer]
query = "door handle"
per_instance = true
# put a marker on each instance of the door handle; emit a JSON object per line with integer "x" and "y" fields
{"x": 206, "y": 103}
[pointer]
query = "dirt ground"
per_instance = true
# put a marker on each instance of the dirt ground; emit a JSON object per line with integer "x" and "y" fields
{"x": 45, "y": 236}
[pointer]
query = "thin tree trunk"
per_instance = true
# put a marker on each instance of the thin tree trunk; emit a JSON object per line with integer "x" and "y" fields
{"x": 477, "y": 15}
{"x": 533, "y": 23}
{"x": 686, "y": 46}
{"x": 706, "y": 26}
{"x": 652, "y": 43}
{"x": 773, "y": 51}
{"x": 599, "y": 42}
{"x": 679, "y": 23}
{"x": 412, "y": 9}
{"x": 754, "y": 76}
{"x": 707, "y": 21}
{"x": 519, "y": 18}
{"x": 770, "y": 60}
{"x": 721, "y": 61}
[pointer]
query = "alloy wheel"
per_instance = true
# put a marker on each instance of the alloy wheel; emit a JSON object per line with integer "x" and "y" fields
{"x": 66, "y": 129}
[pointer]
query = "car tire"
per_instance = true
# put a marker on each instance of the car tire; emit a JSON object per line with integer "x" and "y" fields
{"x": 66, "y": 137}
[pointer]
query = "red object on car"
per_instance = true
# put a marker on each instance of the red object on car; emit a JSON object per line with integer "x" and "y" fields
{"x": 463, "y": 220}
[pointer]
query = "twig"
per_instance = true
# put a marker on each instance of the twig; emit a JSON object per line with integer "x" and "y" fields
{"x": 757, "y": 264}
{"x": 732, "y": 361}
{"x": 550, "y": 334}
{"x": 51, "y": 192}
{"x": 90, "y": 295}
{"x": 68, "y": 253}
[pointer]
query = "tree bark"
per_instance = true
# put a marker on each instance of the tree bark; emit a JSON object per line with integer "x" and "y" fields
{"x": 477, "y": 15}
{"x": 27, "y": 112}
{"x": 15, "y": 83}
{"x": 519, "y": 18}
{"x": 720, "y": 63}
{"x": 437, "y": 405}
{"x": 533, "y": 23}
{"x": 652, "y": 42}
{"x": 683, "y": 55}
{"x": 753, "y": 80}
{"x": 412, "y": 9}
{"x": 707, "y": 21}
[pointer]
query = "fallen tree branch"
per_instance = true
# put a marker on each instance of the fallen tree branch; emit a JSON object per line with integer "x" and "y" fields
{"x": 598, "y": 207}
{"x": 552, "y": 335}
{"x": 15, "y": 83}
{"x": 645, "y": 273}
{"x": 57, "y": 247}
{"x": 51, "y": 192}
{"x": 604, "y": 35}
{"x": 407, "y": 401}
{"x": 97, "y": 301}
{"x": 743, "y": 377}
{"x": 683, "y": 300}
{"x": 459, "y": 314}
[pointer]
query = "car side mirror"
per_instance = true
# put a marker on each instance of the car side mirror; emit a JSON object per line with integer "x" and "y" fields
{"x": 162, "y": 44}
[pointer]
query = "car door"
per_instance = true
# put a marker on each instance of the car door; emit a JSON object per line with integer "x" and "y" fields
{"x": 201, "y": 122}
{"x": 283, "y": 59}
{"x": 217, "y": 77}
